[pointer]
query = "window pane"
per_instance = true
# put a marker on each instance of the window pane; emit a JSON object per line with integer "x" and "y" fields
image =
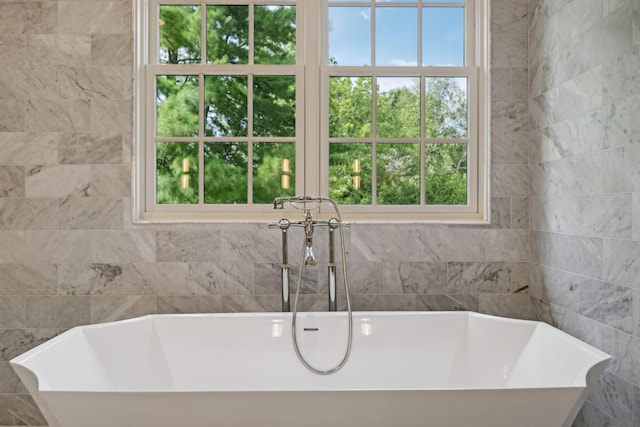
{"x": 350, "y": 35}
{"x": 176, "y": 172}
{"x": 273, "y": 170}
{"x": 179, "y": 34}
{"x": 398, "y": 169}
{"x": 398, "y": 107}
{"x": 227, "y": 34}
{"x": 397, "y": 36}
{"x": 177, "y": 99}
{"x": 350, "y": 107}
{"x": 446, "y": 107}
{"x": 225, "y": 173}
{"x": 275, "y": 35}
{"x": 446, "y": 174}
{"x": 350, "y": 173}
{"x": 274, "y": 106}
{"x": 443, "y": 36}
{"x": 225, "y": 105}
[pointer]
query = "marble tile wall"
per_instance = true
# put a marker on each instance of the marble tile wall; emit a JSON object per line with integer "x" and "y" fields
{"x": 584, "y": 62}
{"x": 70, "y": 255}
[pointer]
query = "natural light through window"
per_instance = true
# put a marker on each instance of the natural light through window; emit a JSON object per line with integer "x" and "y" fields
{"x": 380, "y": 105}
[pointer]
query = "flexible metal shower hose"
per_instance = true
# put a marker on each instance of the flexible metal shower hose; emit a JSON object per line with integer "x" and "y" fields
{"x": 346, "y": 289}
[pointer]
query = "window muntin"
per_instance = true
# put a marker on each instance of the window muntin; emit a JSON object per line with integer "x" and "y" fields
{"x": 409, "y": 102}
{"x": 233, "y": 106}
{"x": 416, "y": 158}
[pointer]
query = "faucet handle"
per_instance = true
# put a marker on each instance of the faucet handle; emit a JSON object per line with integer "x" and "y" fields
{"x": 283, "y": 224}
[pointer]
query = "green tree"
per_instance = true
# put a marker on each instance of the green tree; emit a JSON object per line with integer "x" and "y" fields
{"x": 226, "y": 164}
{"x": 398, "y": 164}
{"x": 226, "y": 106}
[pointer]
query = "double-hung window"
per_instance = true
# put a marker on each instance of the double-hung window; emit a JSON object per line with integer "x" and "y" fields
{"x": 380, "y": 105}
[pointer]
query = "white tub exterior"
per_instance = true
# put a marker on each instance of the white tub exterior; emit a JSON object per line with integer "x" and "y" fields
{"x": 435, "y": 369}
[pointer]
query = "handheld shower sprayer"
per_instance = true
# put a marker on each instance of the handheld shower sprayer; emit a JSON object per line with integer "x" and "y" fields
{"x": 307, "y": 258}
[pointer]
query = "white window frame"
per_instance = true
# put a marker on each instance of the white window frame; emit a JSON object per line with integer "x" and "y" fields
{"x": 312, "y": 147}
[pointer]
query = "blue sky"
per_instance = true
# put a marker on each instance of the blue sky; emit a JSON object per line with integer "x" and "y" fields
{"x": 442, "y": 38}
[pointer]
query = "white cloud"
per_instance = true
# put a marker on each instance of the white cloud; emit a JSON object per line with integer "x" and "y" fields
{"x": 385, "y": 84}
{"x": 403, "y": 63}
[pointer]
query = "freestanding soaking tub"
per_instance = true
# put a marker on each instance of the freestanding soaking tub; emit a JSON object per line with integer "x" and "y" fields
{"x": 437, "y": 369}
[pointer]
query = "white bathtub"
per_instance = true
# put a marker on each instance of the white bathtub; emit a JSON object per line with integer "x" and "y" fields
{"x": 449, "y": 369}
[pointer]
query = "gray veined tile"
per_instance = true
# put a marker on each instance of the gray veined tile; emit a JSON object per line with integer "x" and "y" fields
{"x": 510, "y": 116}
{"x": 622, "y": 262}
{"x": 257, "y": 303}
{"x": 448, "y": 302}
{"x": 58, "y": 181}
{"x": 477, "y": 277}
{"x": 206, "y": 278}
{"x": 365, "y": 277}
{"x": 576, "y": 254}
{"x": 636, "y": 403}
{"x": 636, "y": 28}
{"x": 41, "y": 148}
{"x": 608, "y": 215}
{"x": 111, "y": 115}
{"x": 12, "y": 147}
{"x": 112, "y": 49}
{"x": 267, "y": 278}
{"x": 589, "y": 416}
{"x": 59, "y": 49}
{"x": 105, "y": 17}
{"x": 188, "y": 246}
{"x": 20, "y": 410}
{"x": 58, "y": 115}
{"x": 27, "y": 17}
{"x": 257, "y": 243}
{"x": 519, "y": 213}
{"x": 625, "y": 353}
{"x": 384, "y": 302}
{"x": 57, "y": 311}
{"x": 12, "y": 312}
{"x": 99, "y": 246}
{"x": 13, "y": 49}
{"x": 12, "y": 181}
{"x": 156, "y": 278}
{"x": 510, "y": 180}
{"x": 112, "y": 308}
{"x": 14, "y": 342}
{"x": 9, "y": 380}
{"x": 28, "y": 214}
{"x": 614, "y": 396}
{"x": 510, "y": 147}
{"x": 505, "y": 305}
{"x": 187, "y": 304}
{"x": 607, "y": 303}
{"x": 415, "y": 277}
{"x": 90, "y": 279}
{"x": 28, "y": 279}
{"x": 91, "y": 148}
{"x": 558, "y": 287}
{"x": 111, "y": 180}
{"x": 621, "y": 78}
{"x": 91, "y": 213}
{"x": 373, "y": 243}
{"x": 29, "y": 83}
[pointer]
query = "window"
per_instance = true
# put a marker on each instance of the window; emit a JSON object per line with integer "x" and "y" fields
{"x": 380, "y": 105}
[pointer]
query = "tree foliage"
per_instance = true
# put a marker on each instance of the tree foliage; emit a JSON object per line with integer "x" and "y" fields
{"x": 397, "y": 157}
